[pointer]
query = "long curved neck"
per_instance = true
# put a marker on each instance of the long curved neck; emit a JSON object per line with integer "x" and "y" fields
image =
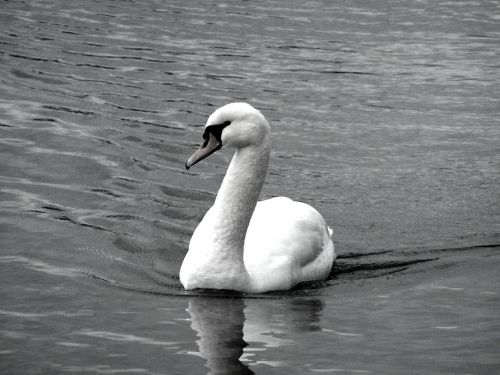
{"x": 237, "y": 197}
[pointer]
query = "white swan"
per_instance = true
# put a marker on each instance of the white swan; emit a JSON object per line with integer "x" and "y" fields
{"x": 244, "y": 245}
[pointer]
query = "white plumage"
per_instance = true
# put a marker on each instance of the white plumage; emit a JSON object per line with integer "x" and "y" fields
{"x": 242, "y": 244}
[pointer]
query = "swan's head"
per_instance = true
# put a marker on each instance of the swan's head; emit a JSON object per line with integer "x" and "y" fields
{"x": 234, "y": 125}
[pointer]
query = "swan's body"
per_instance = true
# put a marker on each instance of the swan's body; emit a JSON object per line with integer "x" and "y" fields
{"x": 244, "y": 245}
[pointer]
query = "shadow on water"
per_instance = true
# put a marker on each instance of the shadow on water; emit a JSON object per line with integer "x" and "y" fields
{"x": 226, "y": 326}
{"x": 218, "y": 323}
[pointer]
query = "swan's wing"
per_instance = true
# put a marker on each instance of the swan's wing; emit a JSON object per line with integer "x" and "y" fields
{"x": 289, "y": 238}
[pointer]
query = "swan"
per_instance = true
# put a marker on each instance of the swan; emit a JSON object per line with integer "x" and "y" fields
{"x": 242, "y": 244}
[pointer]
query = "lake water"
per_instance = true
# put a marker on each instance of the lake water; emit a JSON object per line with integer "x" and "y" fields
{"x": 385, "y": 117}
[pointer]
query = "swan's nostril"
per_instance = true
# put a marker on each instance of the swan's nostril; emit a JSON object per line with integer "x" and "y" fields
{"x": 205, "y": 142}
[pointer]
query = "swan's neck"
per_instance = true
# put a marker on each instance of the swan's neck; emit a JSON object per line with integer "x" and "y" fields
{"x": 237, "y": 197}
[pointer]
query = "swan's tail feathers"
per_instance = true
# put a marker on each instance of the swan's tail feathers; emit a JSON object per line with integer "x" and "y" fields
{"x": 330, "y": 232}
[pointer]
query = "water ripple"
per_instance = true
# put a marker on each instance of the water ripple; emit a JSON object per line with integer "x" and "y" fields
{"x": 384, "y": 118}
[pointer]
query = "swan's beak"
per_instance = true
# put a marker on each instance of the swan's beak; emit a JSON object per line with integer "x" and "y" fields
{"x": 211, "y": 144}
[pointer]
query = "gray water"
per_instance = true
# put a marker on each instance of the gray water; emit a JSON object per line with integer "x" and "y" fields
{"x": 385, "y": 117}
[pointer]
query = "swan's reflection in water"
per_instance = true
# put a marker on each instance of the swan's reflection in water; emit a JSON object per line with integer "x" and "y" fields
{"x": 229, "y": 328}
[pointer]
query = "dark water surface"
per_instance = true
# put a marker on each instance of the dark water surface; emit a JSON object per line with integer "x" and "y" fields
{"x": 385, "y": 117}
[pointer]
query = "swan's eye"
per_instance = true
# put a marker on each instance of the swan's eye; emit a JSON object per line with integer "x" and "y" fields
{"x": 215, "y": 129}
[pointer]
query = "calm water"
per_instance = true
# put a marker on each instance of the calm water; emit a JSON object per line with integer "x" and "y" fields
{"x": 385, "y": 117}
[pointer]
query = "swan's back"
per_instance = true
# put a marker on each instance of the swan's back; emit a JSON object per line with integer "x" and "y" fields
{"x": 287, "y": 242}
